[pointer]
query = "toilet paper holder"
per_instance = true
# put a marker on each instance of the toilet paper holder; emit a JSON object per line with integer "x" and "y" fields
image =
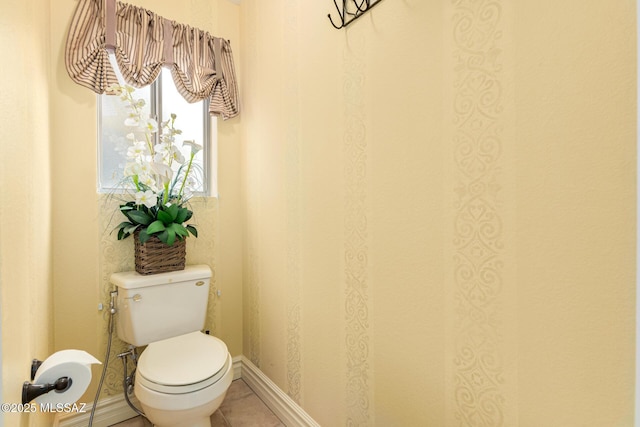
{"x": 31, "y": 391}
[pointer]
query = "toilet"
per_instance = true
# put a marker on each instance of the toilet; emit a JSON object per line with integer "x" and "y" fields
{"x": 183, "y": 374}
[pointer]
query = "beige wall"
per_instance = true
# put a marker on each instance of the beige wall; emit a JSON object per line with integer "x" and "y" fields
{"x": 25, "y": 188}
{"x": 576, "y": 233}
{"x": 440, "y": 210}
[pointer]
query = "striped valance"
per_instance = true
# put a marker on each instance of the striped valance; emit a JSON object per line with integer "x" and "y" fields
{"x": 201, "y": 65}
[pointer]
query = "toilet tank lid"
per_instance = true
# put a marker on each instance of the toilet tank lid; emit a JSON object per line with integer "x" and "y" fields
{"x": 134, "y": 280}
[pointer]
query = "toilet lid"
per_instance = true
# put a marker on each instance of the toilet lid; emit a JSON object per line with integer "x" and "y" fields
{"x": 183, "y": 360}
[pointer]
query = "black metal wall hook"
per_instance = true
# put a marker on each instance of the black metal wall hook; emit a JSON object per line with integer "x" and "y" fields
{"x": 351, "y": 10}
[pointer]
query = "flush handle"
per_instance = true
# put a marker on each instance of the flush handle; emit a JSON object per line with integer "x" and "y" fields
{"x": 135, "y": 298}
{"x": 199, "y": 283}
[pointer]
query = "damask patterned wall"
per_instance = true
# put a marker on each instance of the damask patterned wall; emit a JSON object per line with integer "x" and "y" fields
{"x": 481, "y": 203}
{"x": 357, "y": 304}
{"x": 399, "y": 219}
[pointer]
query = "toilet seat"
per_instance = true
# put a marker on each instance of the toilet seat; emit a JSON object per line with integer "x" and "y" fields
{"x": 183, "y": 364}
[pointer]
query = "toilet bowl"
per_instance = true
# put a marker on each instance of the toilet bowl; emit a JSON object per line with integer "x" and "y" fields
{"x": 183, "y": 375}
{"x": 181, "y": 381}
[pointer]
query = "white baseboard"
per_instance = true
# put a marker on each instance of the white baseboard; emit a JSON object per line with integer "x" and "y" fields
{"x": 110, "y": 411}
{"x": 113, "y": 410}
{"x": 285, "y": 408}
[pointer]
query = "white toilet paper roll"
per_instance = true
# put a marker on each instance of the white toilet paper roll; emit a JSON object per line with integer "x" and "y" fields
{"x": 75, "y": 364}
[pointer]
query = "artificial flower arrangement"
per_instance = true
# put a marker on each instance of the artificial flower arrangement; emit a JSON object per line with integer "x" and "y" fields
{"x": 157, "y": 174}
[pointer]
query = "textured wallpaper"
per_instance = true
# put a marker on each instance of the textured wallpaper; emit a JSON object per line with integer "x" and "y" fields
{"x": 480, "y": 107}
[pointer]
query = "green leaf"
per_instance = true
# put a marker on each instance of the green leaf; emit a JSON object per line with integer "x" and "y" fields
{"x": 171, "y": 236}
{"x": 131, "y": 228}
{"x": 123, "y": 230}
{"x": 189, "y": 215}
{"x": 139, "y": 217}
{"x": 182, "y": 215}
{"x": 163, "y": 236}
{"x": 173, "y": 211}
{"x": 165, "y": 217}
{"x": 192, "y": 230}
{"x": 143, "y": 236}
{"x": 179, "y": 230}
{"x": 155, "y": 227}
{"x": 124, "y": 224}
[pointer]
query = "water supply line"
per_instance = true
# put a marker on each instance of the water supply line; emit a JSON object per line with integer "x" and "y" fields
{"x": 112, "y": 312}
{"x": 128, "y": 381}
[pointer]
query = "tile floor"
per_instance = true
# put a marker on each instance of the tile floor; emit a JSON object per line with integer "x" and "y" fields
{"x": 241, "y": 408}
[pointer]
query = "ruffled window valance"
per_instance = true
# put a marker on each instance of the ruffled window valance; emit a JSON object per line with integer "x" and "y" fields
{"x": 201, "y": 65}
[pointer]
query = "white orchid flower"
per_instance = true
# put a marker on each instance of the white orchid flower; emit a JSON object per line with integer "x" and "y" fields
{"x": 145, "y": 168}
{"x": 177, "y": 155}
{"x": 148, "y": 180}
{"x": 137, "y": 150}
{"x": 151, "y": 125}
{"x": 162, "y": 148}
{"x": 167, "y": 139}
{"x": 147, "y": 198}
{"x": 163, "y": 153}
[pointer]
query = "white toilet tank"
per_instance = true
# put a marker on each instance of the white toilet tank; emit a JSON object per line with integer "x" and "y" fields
{"x": 160, "y": 306}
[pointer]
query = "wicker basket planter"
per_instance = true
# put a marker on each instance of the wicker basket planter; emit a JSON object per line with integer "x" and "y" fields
{"x": 155, "y": 257}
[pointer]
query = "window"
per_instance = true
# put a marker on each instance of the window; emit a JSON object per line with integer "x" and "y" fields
{"x": 161, "y": 100}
